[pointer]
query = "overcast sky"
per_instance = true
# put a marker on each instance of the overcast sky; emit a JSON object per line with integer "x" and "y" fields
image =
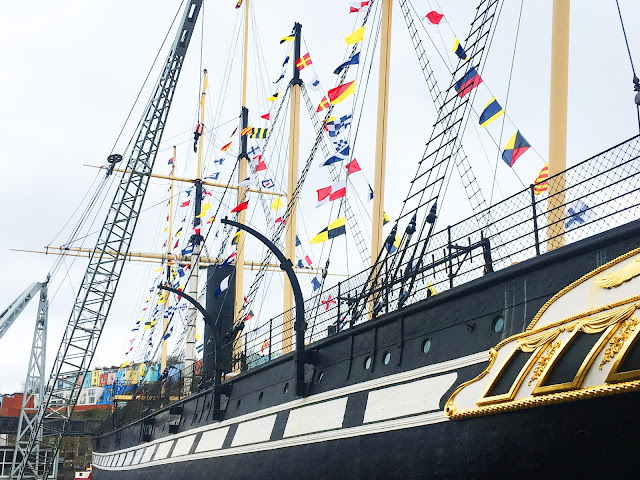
{"x": 72, "y": 70}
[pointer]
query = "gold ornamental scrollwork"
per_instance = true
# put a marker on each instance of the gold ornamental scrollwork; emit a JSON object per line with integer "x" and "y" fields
{"x": 617, "y": 342}
{"x": 615, "y": 279}
{"x": 544, "y": 359}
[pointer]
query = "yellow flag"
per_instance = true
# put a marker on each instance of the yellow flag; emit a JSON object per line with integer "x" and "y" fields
{"x": 197, "y": 336}
{"x": 203, "y": 209}
{"x": 355, "y": 37}
{"x": 124, "y": 364}
{"x": 277, "y": 203}
{"x": 161, "y": 300}
{"x": 158, "y": 269}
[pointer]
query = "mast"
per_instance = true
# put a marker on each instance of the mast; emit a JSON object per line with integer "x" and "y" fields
{"x": 558, "y": 122}
{"x": 292, "y": 180}
{"x": 381, "y": 132}
{"x": 165, "y": 318}
{"x": 243, "y": 159}
{"x": 190, "y": 350}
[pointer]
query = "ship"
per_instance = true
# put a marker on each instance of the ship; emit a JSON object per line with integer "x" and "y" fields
{"x": 502, "y": 345}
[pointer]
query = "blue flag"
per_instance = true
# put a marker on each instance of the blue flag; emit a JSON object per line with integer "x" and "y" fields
{"x": 316, "y": 283}
{"x": 338, "y": 157}
{"x": 352, "y": 61}
{"x": 298, "y": 242}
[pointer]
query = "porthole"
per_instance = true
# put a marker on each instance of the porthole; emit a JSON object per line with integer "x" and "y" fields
{"x": 238, "y": 404}
{"x": 367, "y": 363}
{"x": 260, "y": 396}
{"x": 498, "y": 324}
{"x": 320, "y": 376}
{"x": 426, "y": 345}
{"x": 285, "y": 390}
{"x": 387, "y": 358}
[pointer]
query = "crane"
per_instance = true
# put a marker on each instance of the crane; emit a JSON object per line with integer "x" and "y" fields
{"x": 100, "y": 280}
{"x": 34, "y": 383}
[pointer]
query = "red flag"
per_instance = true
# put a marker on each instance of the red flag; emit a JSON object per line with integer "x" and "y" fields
{"x": 261, "y": 166}
{"x": 226, "y": 147}
{"x": 356, "y": 6}
{"x": 435, "y": 17}
{"x": 338, "y": 94}
{"x": 240, "y": 207}
{"x": 324, "y": 104}
{"x": 176, "y": 245}
{"x": 303, "y": 61}
{"x": 266, "y": 116}
{"x": 185, "y": 204}
{"x": 352, "y": 167}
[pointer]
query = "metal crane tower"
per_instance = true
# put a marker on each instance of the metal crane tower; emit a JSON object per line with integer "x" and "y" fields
{"x": 100, "y": 281}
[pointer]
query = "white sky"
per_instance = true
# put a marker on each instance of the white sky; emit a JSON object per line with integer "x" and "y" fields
{"x": 72, "y": 70}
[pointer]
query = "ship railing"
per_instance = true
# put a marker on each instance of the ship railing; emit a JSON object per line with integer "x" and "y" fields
{"x": 600, "y": 193}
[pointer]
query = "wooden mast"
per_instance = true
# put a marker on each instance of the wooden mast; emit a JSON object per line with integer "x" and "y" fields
{"x": 381, "y": 131}
{"x": 558, "y": 123}
{"x": 165, "y": 318}
{"x": 292, "y": 181}
{"x": 190, "y": 349}
{"x": 242, "y": 191}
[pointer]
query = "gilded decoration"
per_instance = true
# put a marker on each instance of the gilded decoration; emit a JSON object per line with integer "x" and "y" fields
{"x": 545, "y": 347}
{"x": 615, "y": 279}
{"x": 582, "y": 279}
{"x": 617, "y": 342}
{"x": 544, "y": 339}
{"x": 544, "y": 360}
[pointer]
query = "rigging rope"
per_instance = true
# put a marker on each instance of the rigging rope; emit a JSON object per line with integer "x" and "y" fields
{"x": 636, "y": 81}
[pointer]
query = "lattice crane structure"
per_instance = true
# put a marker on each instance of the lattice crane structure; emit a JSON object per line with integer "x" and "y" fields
{"x": 100, "y": 281}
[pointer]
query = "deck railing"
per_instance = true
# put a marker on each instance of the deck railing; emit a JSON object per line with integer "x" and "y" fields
{"x": 601, "y": 193}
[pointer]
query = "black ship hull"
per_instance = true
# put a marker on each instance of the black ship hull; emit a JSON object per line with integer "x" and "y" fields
{"x": 376, "y": 403}
{"x": 587, "y": 439}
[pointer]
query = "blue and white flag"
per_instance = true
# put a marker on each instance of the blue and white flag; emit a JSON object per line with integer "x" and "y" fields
{"x": 219, "y": 161}
{"x": 316, "y": 283}
{"x": 168, "y": 334}
{"x": 577, "y": 214}
{"x": 335, "y": 128}
{"x": 250, "y": 180}
{"x": 352, "y": 61}
{"x": 224, "y": 285}
{"x": 314, "y": 84}
{"x": 298, "y": 242}
{"x": 267, "y": 183}
{"x": 254, "y": 151}
{"x": 338, "y": 157}
{"x": 188, "y": 250}
{"x": 199, "y": 348}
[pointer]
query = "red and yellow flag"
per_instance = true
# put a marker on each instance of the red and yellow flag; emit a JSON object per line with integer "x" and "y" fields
{"x": 541, "y": 183}
{"x": 246, "y": 131}
{"x": 338, "y": 94}
{"x": 303, "y": 61}
{"x": 226, "y": 147}
{"x": 324, "y": 104}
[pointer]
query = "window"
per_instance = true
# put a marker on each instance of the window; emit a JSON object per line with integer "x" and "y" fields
{"x": 387, "y": 358}
{"x": 367, "y": 363}
{"x": 426, "y": 345}
{"x": 498, "y": 324}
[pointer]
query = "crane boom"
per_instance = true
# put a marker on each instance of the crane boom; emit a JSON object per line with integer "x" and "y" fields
{"x": 9, "y": 315}
{"x": 101, "y": 278}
